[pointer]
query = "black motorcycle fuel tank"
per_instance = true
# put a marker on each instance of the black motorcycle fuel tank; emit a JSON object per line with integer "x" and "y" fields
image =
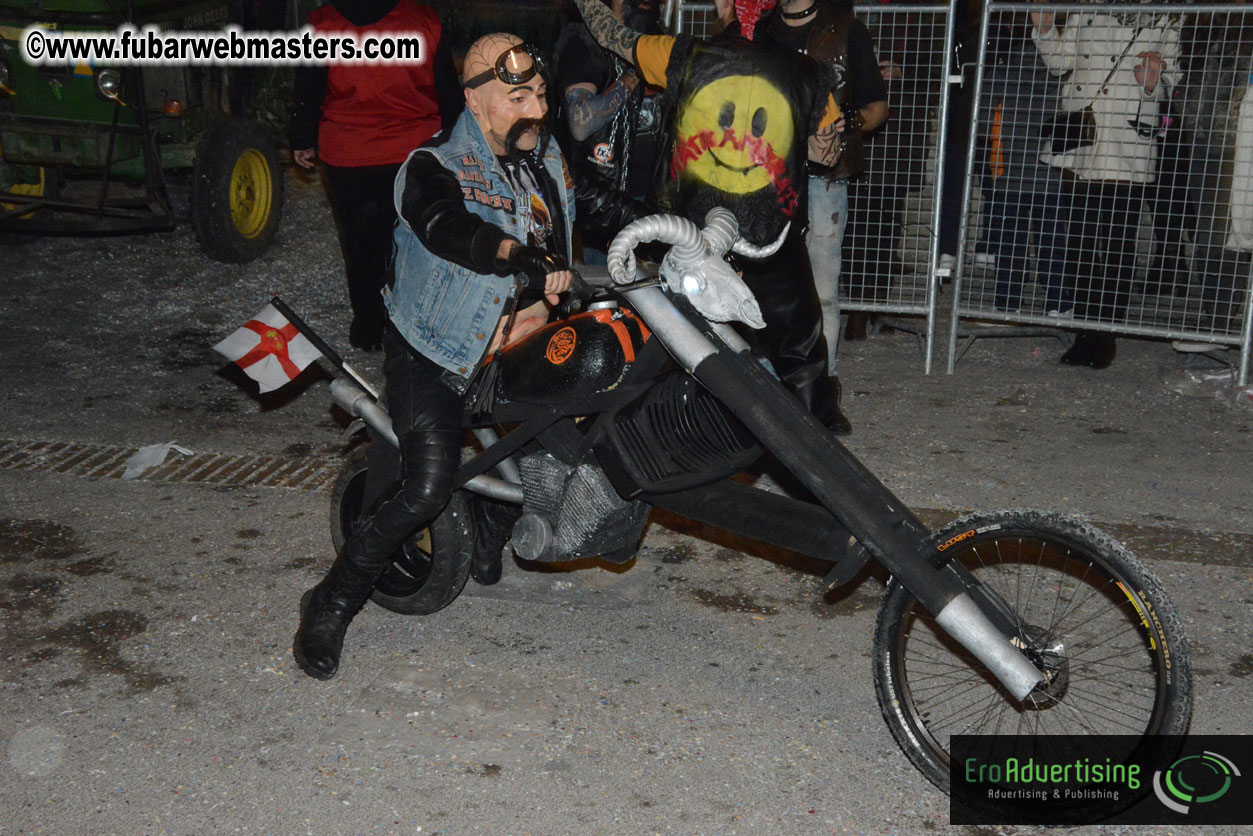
{"x": 579, "y": 356}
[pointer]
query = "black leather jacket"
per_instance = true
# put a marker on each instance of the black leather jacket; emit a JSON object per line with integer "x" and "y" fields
{"x": 434, "y": 207}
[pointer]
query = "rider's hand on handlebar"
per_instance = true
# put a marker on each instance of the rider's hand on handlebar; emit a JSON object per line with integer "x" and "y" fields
{"x": 558, "y": 282}
{"x": 539, "y": 265}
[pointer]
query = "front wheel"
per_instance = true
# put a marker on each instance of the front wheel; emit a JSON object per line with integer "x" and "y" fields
{"x": 430, "y": 569}
{"x": 1087, "y": 613}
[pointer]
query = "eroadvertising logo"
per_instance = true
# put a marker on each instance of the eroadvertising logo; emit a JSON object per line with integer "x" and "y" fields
{"x": 1210, "y": 775}
{"x": 1089, "y": 779}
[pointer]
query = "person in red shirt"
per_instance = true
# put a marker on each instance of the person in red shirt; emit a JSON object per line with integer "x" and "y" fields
{"x": 362, "y": 120}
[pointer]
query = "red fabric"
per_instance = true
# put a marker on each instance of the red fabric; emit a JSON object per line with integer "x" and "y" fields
{"x": 748, "y": 12}
{"x": 376, "y": 114}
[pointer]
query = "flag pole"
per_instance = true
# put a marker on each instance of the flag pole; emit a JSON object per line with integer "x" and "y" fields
{"x": 322, "y": 345}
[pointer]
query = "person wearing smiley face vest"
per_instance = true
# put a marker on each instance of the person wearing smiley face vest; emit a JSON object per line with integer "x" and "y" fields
{"x": 746, "y": 116}
{"x": 826, "y": 31}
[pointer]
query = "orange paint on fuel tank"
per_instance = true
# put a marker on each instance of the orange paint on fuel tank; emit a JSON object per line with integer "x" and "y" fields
{"x": 561, "y": 346}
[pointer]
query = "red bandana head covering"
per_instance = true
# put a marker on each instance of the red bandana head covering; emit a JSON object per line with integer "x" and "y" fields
{"x": 748, "y": 12}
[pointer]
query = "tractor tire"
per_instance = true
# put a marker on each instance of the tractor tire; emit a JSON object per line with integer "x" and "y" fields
{"x": 237, "y": 191}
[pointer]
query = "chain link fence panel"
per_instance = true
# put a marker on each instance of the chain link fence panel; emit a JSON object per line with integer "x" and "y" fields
{"x": 1111, "y": 160}
{"x": 890, "y": 252}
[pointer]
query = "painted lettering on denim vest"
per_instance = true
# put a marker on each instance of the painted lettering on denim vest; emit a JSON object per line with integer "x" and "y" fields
{"x": 474, "y": 177}
{"x": 495, "y": 201}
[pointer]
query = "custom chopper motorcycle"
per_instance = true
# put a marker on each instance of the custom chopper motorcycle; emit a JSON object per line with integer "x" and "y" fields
{"x": 1017, "y": 622}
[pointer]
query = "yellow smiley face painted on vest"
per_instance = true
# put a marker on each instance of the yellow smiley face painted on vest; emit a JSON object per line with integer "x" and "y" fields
{"x": 734, "y": 134}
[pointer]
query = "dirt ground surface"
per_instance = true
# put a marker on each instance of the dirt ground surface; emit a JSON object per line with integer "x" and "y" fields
{"x": 146, "y": 681}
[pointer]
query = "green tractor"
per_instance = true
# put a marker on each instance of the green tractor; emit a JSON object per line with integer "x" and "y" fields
{"x": 87, "y": 149}
{"x": 97, "y": 149}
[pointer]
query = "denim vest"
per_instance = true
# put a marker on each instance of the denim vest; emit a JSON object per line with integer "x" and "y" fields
{"x": 447, "y": 312}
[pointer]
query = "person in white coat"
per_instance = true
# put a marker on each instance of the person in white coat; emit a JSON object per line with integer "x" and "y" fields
{"x": 1120, "y": 65}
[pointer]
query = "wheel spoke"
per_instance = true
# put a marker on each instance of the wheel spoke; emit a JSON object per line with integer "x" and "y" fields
{"x": 1079, "y": 603}
{"x": 969, "y": 660}
{"x": 961, "y": 700}
{"x": 964, "y": 709}
{"x": 1104, "y": 662}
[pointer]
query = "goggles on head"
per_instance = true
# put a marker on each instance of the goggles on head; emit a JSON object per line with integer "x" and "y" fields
{"x": 516, "y": 65}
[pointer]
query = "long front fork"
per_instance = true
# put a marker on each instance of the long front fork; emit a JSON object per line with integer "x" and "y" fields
{"x": 863, "y": 504}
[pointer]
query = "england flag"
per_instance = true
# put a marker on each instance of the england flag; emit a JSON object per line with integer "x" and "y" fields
{"x": 269, "y": 349}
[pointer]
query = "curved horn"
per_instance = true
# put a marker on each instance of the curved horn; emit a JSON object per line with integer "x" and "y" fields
{"x": 753, "y": 251}
{"x": 668, "y": 229}
{"x": 721, "y": 230}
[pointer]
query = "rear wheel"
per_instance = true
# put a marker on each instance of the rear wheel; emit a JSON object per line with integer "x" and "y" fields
{"x": 430, "y": 570}
{"x": 1087, "y": 613}
{"x": 237, "y": 191}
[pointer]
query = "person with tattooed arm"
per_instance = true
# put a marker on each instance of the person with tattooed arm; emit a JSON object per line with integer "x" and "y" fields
{"x": 745, "y": 117}
{"x": 609, "y": 117}
{"x": 607, "y": 122}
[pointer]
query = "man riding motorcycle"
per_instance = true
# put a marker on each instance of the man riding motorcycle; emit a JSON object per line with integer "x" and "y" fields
{"x": 467, "y": 201}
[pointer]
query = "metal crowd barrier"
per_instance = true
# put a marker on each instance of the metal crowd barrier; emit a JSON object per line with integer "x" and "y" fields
{"x": 1168, "y": 258}
{"x": 891, "y": 248}
{"x": 696, "y": 19}
{"x": 1147, "y": 232}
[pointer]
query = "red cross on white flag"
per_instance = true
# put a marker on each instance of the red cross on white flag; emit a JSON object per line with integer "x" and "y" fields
{"x": 269, "y": 349}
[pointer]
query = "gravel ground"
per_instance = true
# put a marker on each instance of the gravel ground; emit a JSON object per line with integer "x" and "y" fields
{"x": 146, "y": 683}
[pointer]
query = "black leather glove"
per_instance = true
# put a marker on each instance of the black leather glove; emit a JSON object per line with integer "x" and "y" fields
{"x": 535, "y": 263}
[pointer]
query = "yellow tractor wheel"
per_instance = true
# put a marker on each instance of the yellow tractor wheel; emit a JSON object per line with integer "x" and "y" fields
{"x": 48, "y": 185}
{"x": 237, "y": 191}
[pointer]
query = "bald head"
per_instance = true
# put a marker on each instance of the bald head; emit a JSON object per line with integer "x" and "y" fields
{"x": 482, "y": 54}
{"x": 509, "y": 106}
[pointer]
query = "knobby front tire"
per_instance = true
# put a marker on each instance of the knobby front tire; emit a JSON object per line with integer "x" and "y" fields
{"x": 1087, "y": 611}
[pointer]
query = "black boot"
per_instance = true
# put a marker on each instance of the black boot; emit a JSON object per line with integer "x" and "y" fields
{"x": 1104, "y": 348}
{"x": 429, "y": 462}
{"x": 493, "y": 524}
{"x": 1080, "y": 352}
{"x": 838, "y": 422}
{"x": 1093, "y": 349}
{"x": 327, "y": 609}
{"x": 855, "y": 329}
{"x": 820, "y": 395}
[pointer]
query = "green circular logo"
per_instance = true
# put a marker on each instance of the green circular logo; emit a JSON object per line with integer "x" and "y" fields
{"x": 1194, "y": 779}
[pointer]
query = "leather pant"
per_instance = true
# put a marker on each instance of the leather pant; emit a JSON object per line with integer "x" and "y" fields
{"x": 362, "y": 203}
{"x": 407, "y": 492}
{"x": 792, "y": 340}
{"x": 427, "y": 417}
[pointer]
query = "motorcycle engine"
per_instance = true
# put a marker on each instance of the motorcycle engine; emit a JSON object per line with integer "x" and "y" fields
{"x": 573, "y": 512}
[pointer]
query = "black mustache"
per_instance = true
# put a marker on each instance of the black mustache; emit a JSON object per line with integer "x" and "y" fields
{"x": 515, "y": 133}
{"x": 521, "y": 126}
